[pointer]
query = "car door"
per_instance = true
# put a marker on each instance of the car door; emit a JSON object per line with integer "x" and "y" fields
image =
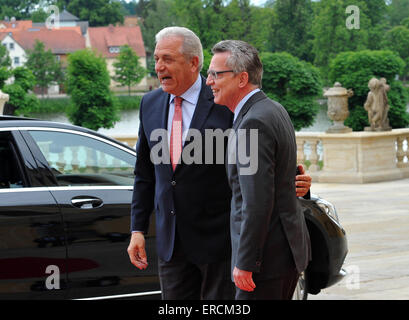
{"x": 94, "y": 192}
{"x": 32, "y": 249}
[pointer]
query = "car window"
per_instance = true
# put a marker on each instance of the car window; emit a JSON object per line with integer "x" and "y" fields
{"x": 10, "y": 175}
{"x": 78, "y": 160}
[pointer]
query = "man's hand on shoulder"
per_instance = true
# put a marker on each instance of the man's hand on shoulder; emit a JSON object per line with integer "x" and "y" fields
{"x": 302, "y": 182}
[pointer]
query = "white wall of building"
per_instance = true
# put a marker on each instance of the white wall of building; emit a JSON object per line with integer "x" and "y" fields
{"x": 16, "y": 53}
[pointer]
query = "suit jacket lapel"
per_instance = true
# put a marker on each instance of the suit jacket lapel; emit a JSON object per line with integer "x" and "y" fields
{"x": 163, "y": 112}
{"x": 203, "y": 107}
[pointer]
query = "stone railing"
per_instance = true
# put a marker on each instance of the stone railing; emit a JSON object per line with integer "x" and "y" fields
{"x": 355, "y": 157}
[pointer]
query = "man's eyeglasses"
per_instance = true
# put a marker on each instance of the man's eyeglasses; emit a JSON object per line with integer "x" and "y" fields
{"x": 215, "y": 74}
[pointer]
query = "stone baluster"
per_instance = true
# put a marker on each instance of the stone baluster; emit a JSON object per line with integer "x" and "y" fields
{"x": 400, "y": 154}
{"x": 300, "y": 151}
{"x": 313, "y": 156}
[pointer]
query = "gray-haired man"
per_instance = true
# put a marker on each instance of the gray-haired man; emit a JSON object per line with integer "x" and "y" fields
{"x": 270, "y": 240}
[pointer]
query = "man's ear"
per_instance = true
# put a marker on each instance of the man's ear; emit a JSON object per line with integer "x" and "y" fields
{"x": 194, "y": 63}
{"x": 243, "y": 79}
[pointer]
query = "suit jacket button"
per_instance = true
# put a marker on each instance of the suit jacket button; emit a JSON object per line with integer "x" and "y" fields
{"x": 258, "y": 263}
{"x": 173, "y": 183}
{"x": 172, "y": 212}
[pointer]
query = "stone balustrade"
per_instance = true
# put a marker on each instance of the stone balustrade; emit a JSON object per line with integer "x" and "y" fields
{"x": 355, "y": 157}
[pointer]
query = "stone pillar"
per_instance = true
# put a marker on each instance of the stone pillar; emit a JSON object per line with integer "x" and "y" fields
{"x": 4, "y": 97}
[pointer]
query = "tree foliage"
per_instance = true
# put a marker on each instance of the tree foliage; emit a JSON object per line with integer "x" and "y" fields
{"x": 88, "y": 84}
{"x": 397, "y": 40}
{"x": 331, "y": 35}
{"x": 18, "y": 9}
{"x": 20, "y": 100}
{"x": 293, "y": 83}
{"x": 128, "y": 70}
{"x": 97, "y": 12}
{"x": 44, "y": 65}
{"x": 354, "y": 70}
{"x": 291, "y": 28}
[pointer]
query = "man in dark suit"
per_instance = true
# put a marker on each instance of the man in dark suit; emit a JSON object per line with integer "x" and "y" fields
{"x": 270, "y": 241}
{"x": 191, "y": 201}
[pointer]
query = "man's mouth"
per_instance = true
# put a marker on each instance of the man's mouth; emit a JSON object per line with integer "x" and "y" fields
{"x": 165, "y": 79}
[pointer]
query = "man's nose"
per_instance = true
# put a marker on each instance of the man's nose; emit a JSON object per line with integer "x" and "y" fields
{"x": 209, "y": 80}
{"x": 159, "y": 66}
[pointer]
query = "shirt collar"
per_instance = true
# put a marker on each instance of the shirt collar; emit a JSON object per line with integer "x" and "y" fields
{"x": 191, "y": 95}
{"x": 243, "y": 102}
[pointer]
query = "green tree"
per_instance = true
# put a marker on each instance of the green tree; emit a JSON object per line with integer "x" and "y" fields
{"x": 19, "y": 9}
{"x": 354, "y": 70}
{"x": 128, "y": 70}
{"x": 405, "y": 22}
{"x": 88, "y": 84}
{"x": 294, "y": 83}
{"x": 291, "y": 28}
{"x": 44, "y": 65}
{"x": 97, "y": 12}
{"x": 397, "y": 39}
{"x": 5, "y": 64}
{"x": 331, "y": 35}
{"x": 20, "y": 100}
{"x": 156, "y": 17}
{"x": 397, "y": 11}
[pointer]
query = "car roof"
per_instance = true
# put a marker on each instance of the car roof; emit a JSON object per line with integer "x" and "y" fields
{"x": 13, "y": 121}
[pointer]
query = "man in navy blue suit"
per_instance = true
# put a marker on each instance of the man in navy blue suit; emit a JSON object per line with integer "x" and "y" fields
{"x": 191, "y": 201}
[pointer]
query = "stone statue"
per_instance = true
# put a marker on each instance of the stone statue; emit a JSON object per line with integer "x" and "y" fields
{"x": 4, "y": 97}
{"x": 377, "y": 105}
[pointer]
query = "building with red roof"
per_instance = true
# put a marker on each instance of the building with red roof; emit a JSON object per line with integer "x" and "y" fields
{"x": 108, "y": 41}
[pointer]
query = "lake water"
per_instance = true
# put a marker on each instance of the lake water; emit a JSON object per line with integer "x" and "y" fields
{"x": 129, "y": 125}
{"x": 129, "y": 122}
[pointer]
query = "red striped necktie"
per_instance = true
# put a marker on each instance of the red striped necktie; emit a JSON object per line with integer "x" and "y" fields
{"x": 176, "y": 133}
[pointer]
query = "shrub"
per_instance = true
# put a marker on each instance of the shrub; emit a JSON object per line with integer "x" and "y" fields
{"x": 293, "y": 83}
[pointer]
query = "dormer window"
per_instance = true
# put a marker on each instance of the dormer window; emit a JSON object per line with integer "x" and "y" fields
{"x": 114, "y": 49}
{"x": 11, "y": 46}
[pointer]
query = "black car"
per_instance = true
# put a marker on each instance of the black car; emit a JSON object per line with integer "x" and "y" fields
{"x": 65, "y": 195}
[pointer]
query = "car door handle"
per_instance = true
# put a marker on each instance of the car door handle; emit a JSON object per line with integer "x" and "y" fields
{"x": 86, "y": 202}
